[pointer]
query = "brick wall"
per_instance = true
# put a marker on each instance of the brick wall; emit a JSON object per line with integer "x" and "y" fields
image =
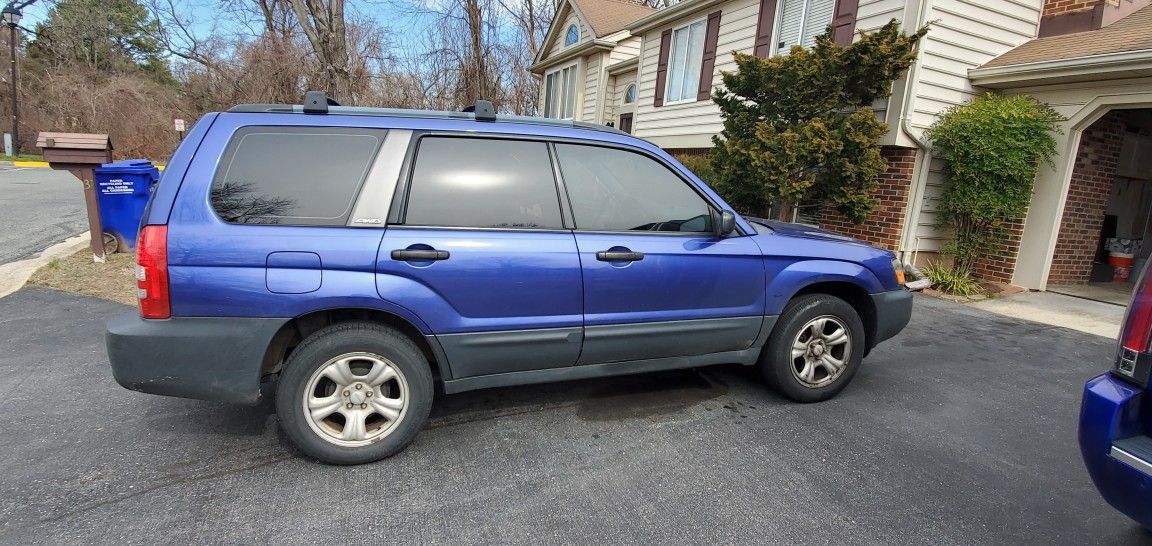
{"x": 1088, "y": 194}
{"x": 884, "y": 226}
{"x": 999, "y": 265}
{"x": 1061, "y": 7}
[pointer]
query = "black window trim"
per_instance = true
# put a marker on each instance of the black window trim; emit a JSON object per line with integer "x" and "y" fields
{"x": 243, "y": 130}
{"x": 399, "y": 209}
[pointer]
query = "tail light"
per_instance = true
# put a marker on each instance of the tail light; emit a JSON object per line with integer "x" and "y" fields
{"x": 1135, "y": 352}
{"x": 152, "y": 273}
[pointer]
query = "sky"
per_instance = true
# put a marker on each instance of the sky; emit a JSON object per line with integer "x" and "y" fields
{"x": 203, "y": 15}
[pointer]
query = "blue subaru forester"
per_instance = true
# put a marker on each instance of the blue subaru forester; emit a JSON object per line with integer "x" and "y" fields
{"x": 358, "y": 257}
{"x": 1116, "y": 420}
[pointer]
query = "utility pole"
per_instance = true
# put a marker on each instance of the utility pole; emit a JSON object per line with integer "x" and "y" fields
{"x": 12, "y": 15}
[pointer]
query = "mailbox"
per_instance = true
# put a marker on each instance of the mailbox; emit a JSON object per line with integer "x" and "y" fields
{"x": 80, "y": 154}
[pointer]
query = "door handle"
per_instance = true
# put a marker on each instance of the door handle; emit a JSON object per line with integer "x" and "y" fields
{"x": 405, "y": 255}
{"x": 613, "y": 256}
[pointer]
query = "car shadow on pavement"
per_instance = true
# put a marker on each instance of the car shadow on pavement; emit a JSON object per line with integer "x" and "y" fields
{"x": 648, "y": 395}
{"x": 182, "y": 416}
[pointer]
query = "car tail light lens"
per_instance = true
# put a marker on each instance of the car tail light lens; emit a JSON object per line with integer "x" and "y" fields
{"x": 1137, "y": 332}
{"x": 152, "y": 273}
{"x": 1134, "y": 356}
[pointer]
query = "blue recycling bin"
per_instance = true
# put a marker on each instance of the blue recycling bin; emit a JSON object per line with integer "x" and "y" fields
{"x": 123, "y": 189}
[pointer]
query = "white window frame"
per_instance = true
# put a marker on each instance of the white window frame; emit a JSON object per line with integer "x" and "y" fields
{"x": 778, "y": 22}
{"x": 563, "y": 93}
{"x": 691, "y": 97}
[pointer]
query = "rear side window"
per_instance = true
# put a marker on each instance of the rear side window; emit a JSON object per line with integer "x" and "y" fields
{"x": 617, "y": 190}
{"x": 303, "y": 176}
{"x": 483, "y": 182}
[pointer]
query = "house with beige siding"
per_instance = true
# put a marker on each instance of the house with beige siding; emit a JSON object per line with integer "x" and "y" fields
{"x": 651, "y": 73}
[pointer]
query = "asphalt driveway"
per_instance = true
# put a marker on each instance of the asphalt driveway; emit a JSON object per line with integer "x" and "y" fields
{"x": 38, "y": 207}
{"x": 959, "y": 431}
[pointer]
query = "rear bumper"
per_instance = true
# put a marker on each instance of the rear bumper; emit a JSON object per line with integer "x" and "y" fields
{"x": 203, "y": 358}
{"x": 1110, "y": 426}
{"x": 893, "y": 311}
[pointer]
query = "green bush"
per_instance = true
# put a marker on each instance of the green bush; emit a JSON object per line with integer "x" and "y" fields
{"x": 952, "y": 280}
{"x": 993, "y": 146}
{"x": 800, "y": 126}
{"x": 701, "y": 165}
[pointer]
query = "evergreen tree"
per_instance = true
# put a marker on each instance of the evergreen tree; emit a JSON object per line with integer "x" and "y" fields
{"x": 801, "y": 126}
{"x": 105, "y": 36}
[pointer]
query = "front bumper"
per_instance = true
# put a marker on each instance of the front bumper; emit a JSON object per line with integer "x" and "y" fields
{"x": 1110, "y": 423}
{"x": 893, "y": 311}
{"x": 203, "y": 358}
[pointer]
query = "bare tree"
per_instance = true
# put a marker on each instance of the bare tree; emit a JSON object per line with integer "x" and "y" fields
{"x": 323, "y": 24}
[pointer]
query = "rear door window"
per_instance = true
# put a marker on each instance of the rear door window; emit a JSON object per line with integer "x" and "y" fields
{"x": 483, "y": 183}
{"x": 304, "y": 176}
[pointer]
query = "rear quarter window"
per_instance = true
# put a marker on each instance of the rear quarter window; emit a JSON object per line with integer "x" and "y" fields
{"x": 304, "y": 176}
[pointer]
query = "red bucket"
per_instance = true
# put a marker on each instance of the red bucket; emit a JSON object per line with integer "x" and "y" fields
{"x": 1122, "y": 266}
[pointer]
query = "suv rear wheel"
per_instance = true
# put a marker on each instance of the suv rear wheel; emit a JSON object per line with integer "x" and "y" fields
{"x": 354, "y": 393}
{"x": 815, "y": 348}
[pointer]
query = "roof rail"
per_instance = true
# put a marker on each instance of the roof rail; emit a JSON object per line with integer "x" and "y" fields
{"x": 316, "y": 102}
{"x": 483, "y": 110}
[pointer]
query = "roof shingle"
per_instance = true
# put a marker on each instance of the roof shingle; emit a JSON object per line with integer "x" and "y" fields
{"x": 610, "y": 16}
{"x": 1132, "y": 33}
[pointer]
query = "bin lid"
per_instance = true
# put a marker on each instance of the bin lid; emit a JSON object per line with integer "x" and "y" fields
{"x": 127, "y": 166}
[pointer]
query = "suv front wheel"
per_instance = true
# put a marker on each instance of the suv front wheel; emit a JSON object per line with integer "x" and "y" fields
{"x": 815, "y": 348}
{"x": 354, "y": 393}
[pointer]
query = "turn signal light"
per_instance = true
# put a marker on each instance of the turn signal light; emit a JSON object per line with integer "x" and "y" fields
{"x": 152, "y": 273}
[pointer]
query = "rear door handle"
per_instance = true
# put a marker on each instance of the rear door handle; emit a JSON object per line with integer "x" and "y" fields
{"x": 405, "y": 255}
{"x": 612, "y": 256}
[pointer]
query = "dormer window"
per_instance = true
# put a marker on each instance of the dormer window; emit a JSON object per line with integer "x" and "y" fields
{"x": 573, "y": 35}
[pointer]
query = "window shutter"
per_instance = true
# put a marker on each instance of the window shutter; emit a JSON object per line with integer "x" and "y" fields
{"x": 764, "y": 27}
{"x": 844, "y": 21}
{"x": 708, "y": 61}
{"x": 662, "y": 67}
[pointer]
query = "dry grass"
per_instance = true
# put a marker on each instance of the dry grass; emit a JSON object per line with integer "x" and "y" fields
{"x": 113, "y": 280}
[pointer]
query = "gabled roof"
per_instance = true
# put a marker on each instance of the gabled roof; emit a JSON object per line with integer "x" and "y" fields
{"x": 610, "y": 16}
{"x": 604, "y": 17}
{"x": 1130, "y": 34}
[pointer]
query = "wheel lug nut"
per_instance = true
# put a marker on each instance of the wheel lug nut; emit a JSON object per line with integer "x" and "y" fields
{"x": 347, "y": 394}
{"x": 369, "y": 393}
{"x": 359, "y": 386}
{"x": 363, "y": 406}
{"x": 349, "y": 405}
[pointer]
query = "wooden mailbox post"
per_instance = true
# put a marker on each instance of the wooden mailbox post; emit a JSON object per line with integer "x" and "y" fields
{"x": 80, "y": 154}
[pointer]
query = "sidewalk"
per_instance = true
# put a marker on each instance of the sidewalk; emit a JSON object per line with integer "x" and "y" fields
{"x": 1092, "y": 317}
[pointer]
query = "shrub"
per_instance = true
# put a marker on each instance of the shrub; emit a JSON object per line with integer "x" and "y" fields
{"x": 952, "y": 280}
{"x": 993, "y": 147}
{"x": 801, "y": 126}
{"x": 701, "y": 165}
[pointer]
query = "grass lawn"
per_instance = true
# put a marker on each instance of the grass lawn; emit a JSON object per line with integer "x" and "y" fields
{"x": 21, "y": 157}
{"x": 113, "y": 280}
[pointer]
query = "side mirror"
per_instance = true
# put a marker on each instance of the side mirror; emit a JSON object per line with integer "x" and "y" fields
{"x": 724, "y": 224}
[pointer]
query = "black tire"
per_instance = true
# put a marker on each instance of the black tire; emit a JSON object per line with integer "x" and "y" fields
{"x": 338, "y": 340}
{"x": 781, "y": 370}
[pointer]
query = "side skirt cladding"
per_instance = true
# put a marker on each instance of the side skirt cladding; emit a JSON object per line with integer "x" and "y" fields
{"x": 746, "y": 356}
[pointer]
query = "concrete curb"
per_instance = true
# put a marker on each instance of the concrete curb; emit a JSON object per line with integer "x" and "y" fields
{"x": 14, "y": 275}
